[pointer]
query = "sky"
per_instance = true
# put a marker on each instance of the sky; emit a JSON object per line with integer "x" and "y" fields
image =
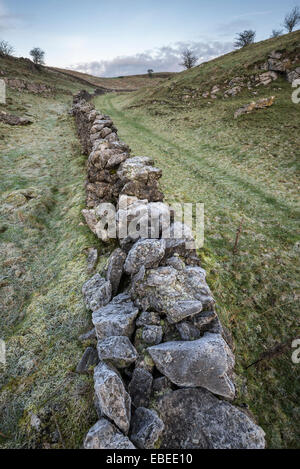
{"x": 124, "y": 37}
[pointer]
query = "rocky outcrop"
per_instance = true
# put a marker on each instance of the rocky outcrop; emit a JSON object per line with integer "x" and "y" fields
{"x": 33, "y": 87}
{"x": 11, "y": 119}
{"x": 277, "y": 64}
{"x": 163, "y": 353}
{"x": 260, "y": 104}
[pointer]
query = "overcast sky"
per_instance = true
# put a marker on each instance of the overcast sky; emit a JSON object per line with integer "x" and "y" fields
{"x": 123, "y": 37}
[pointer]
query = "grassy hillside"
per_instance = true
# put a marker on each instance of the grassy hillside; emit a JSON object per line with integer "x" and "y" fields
{"x": 241, "y": 169}
{"x": 43, "y": 246}
{"x": 126, "y": 83}
{"x": 189, "y": 86}
{"x": 245, "y": 169}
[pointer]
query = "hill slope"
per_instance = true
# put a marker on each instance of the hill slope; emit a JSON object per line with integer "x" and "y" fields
{"x": 125, "y": 83}
{"x": 246, "y": 172}
{"x": 241, "y": 169}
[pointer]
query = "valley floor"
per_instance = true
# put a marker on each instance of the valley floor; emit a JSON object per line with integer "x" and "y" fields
{"x": 241, "y": 170}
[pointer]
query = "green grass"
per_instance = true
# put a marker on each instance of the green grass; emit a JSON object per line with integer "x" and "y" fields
{"x": 244, "y": 168}
{"x": 187, "y": 87}
{"x": 43, "y": 243}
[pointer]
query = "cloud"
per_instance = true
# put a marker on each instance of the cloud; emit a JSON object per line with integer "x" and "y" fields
{"x": 162, "y": 59}
{"x": 7, "y": 20}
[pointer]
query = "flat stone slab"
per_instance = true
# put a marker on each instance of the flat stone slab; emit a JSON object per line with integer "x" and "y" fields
{"x": 96, "y": 292}
{"x": 115, "y": 269}
{"x": 195, "y": 419}
{"x": 104, "y": 435}
{"x": 207, "y": 362}
{"x": 114, "y": 401}
{"x": 88, "y": 360}
{"x": 115, "y": 319}
{"x": 117, "y": 350}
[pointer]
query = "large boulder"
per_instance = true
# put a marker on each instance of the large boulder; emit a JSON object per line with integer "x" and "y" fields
{"x": 177, "y": 293}
{"x": 115, "y": 319}
{"x": 117, "y": 350}
{"x": 96, "y": 292}
{"x": 195, "y": 419}
{"x": 146, "y": 428}
{"x": 104, "y": 435}
{"x": 114, "y": 401}
{"x": 146, "y": 252}
{"x": 207, "y": 362}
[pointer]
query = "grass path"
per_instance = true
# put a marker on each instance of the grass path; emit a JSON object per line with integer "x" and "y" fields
{"x": 205, "y": 157}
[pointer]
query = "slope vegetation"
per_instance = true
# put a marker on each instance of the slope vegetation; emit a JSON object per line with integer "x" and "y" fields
{"x": 245, "y": 171}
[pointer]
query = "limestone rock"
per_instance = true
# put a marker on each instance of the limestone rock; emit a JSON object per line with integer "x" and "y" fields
{"x": 114, "y": 401}
{"x": 13, "y": 120}
{"x": 148, "y": 318}
{"x": 115, "y": 269}
{"x": 90, "y": 335}
{"x": 115, "y": 319}
{"x": 260, "y": 104}
{"x": 202, "y": 320}
{"x": 117, "y": 350}
{"x": 92, "y": 257}
{"x": 146, "y": 428}
{"x": 140, "y": 387}
{"x": 104, "y": 435}
{"x": 162, "y": 384}
{"x": 195, "y": 419}
{"x": 188, "y": 331}
{"x": 88, "y": 360}
{"x": 178, "y": 294}
{"x": 207, "y": 362}
{"x": 147, "y": 252}
{"x": 139, "y": 219}
{"x": 139, "y": 168}
{"x": 293, "y": 75}
{"x": 152, "y": 335}
{"x": 96, "y": 292}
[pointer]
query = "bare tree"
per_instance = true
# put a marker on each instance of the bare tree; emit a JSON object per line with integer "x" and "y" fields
{"x": 150, "y": 72}
{"x": 38, "y": 56}
{"x": 188, "y": 59}
{"x": 276, "y": 33}
{"x": 292, "y": 19}
{"x": 6, "y": 48}
{"x": 245, "y": 38}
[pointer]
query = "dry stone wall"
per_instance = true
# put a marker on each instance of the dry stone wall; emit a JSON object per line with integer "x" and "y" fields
{"x": 164, "y": 372}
